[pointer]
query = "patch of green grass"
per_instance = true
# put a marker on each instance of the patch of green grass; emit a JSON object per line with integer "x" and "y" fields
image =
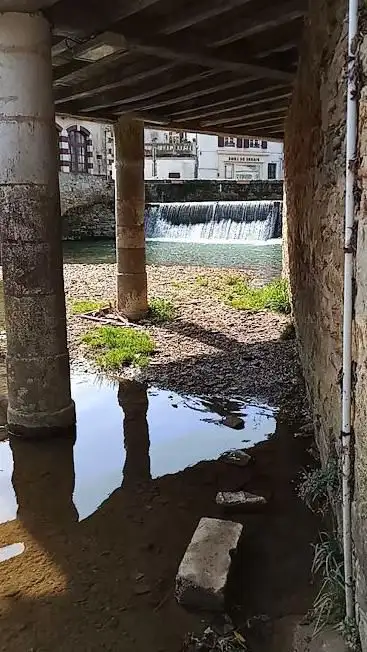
{"x": 113, "y": 346}
{"x": 81, "y": 306}
{"x": 202, "y": 281}
{"x": 274, "y": 296}
{"x": 161, "y": 310}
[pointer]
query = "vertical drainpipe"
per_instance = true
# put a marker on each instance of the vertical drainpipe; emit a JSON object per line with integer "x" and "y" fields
{"x": 349, "y": 246}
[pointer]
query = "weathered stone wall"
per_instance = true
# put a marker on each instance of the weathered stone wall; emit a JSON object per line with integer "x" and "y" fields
{"x": 315, "y": 185}
{"x": 87, "y": 206}
{"x": 87, "y": 201}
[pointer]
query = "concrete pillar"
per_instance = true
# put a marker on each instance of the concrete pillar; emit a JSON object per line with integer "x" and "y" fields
{"x": 133, "y": 398}
{"x": 130, "y": 237}
{"x": 37, "y": 360}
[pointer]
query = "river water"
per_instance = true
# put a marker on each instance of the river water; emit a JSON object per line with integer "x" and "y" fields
{"x": 258, "y": 257}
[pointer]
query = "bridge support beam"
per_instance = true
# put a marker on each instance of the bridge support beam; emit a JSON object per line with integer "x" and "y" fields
{"x": 37, "y": 357}
{"x": 130, "y": 237}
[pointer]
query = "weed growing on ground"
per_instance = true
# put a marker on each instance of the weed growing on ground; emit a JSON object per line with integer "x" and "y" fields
{"x": 113, "y": 347}
{"x": 202, "y": 281}
{"x": 87, "y": 305}
{"x": 318, "y": 484}
{"x": 161, "y": 310}
{"x": 349, "y": 631}
{"x": 274, "y": 296}
{"x": 329, "y": 605}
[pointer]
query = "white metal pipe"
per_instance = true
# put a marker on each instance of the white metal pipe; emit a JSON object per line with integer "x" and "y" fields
{"x": 351, "y": 154}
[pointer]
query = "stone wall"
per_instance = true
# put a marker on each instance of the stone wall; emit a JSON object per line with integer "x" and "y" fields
{"x": 87, "y": 201}
{"x": 315, "y": 183}
{"x": 87, "y": 206}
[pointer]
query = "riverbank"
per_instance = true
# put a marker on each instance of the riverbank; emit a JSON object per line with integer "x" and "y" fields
{"x": 209, "y": 348}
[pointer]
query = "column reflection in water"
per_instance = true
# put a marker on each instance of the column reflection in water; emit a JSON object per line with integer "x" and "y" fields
{"x": 133, "y": 398}
{"x": 43, "y": 480}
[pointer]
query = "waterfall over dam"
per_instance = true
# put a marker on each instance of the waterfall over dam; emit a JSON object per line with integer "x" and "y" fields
{"x": 238, "y": 221}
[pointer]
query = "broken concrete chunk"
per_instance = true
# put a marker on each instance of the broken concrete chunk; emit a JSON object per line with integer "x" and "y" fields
{"x": 238, "y": 457}
{"x": 241, "y": 499}
{"x": 203, "y": 572}
{"x": 233, "y": 421}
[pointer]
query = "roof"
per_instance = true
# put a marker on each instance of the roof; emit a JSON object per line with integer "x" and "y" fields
{"x": 215, "y": 66}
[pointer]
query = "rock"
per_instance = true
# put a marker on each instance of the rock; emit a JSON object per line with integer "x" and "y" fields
{"x": 237, "y": 457}
{"x": 233, "y": 421}
{"x": 203, "y": 572}
{"x": 237, "y": 499}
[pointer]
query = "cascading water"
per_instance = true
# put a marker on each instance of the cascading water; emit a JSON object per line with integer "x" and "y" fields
{"x": 214, "y": 221}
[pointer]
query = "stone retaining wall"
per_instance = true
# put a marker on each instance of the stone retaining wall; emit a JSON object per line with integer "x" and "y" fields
{"x": 315, "y": 183}
{"x": 87, "y": 201}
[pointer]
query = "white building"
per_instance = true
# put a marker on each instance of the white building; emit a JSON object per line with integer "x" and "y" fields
{"x": 87, "y": 147}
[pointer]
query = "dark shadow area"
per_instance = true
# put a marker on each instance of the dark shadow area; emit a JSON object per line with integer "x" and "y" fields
{"x": 106, "y": 583}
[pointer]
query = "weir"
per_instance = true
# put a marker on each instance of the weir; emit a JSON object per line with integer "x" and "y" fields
{"x": 214, "y": 221}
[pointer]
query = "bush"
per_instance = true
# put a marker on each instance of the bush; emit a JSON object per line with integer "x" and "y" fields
{"x": 114, "y": 346}
{"x": 161, "y": 310}
{"x": 274, "y": 296}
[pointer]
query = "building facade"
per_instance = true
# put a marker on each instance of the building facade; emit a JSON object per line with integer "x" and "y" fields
{"x": 88, "y": 147}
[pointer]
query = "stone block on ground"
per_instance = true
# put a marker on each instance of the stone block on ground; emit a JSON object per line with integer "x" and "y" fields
{"x": 203, "y": 572}
{"x": 239, "y": 499}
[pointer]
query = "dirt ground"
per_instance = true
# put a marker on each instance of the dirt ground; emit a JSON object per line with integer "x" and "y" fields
{"x": 210, "y": 348}
{"x": 106, "y": 583}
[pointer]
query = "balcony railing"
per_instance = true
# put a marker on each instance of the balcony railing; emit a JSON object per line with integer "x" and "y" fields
{"x": 169, "y": 149}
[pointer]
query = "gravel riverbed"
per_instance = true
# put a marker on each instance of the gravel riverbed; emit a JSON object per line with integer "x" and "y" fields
{"x": 210, "y": 348}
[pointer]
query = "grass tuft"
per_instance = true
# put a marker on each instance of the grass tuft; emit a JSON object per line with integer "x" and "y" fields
{"x": 318, "y": 484}
{"x": 202, "y": 281}
{"x": 274, "y": 296}
{"x": 161, "y": 310}
{"x": 86, "y": 305}
{"x": 113, "y": 347}
{"x": 329, "y": 605}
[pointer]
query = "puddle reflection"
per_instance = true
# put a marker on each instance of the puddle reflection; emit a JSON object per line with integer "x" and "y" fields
{"x": 8, "y": 552}
{"x": 126, "y": 434}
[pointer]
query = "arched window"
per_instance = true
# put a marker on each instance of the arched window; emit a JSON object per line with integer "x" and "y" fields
{"x": 78, "y": 148}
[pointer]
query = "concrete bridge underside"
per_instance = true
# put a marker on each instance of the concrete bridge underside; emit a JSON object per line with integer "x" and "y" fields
{"x": 217, "y": 66}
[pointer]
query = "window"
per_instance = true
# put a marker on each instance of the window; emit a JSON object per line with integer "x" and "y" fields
{"x": 78, "y": 148}
{"x": 272, "y": 170}
{"x": 246, "y": 143}
{"x": 264, "y": 144}
{"x": 240, "y": 142}
{"x": 174, "y": 175}
{"x": 229, "y": 141}
{"x": 220, "y": 141}
{"x": 254, "y": 143}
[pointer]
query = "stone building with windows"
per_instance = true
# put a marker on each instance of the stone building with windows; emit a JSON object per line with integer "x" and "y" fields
{"x": 88, "y": 147}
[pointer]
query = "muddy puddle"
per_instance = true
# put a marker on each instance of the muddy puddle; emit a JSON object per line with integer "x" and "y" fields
{"x": 128, "y": 431}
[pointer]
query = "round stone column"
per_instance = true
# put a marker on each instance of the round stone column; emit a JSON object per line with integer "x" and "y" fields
{"x": 130, "y": 203}
{"x": 37, "y": 358}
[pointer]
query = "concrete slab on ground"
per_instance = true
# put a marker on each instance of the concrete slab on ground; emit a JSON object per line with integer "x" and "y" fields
{"x": 203, "y": 572}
